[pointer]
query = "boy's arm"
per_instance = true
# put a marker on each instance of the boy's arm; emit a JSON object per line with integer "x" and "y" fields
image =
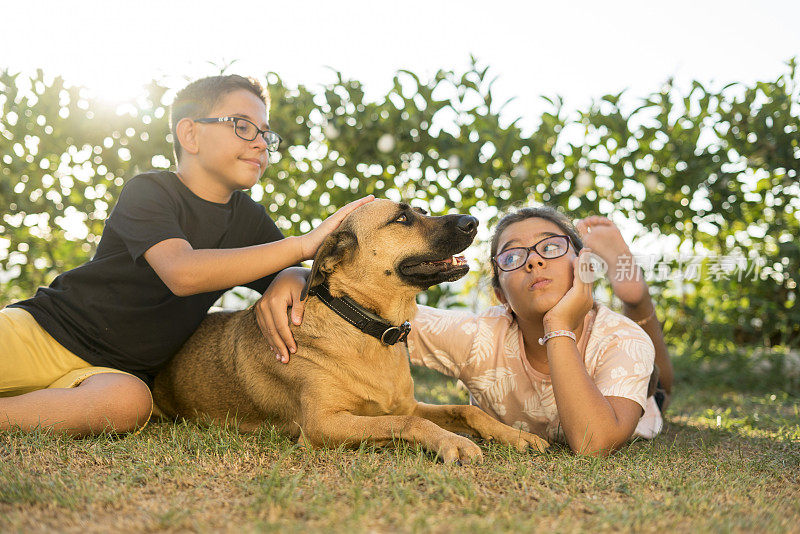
{"x": 187, "y": 271}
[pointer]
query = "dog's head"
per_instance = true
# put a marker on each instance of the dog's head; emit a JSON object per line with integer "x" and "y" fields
{"x": 385, "y": 247}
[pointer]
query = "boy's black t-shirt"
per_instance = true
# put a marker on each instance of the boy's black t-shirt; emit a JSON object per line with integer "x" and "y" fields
{"x": 114, "y": 311}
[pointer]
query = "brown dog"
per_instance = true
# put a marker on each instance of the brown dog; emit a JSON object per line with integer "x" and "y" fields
{"x": 342, "y": 386}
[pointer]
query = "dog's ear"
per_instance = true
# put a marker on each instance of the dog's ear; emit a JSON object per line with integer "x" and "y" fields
{"x": 339, "y": 246}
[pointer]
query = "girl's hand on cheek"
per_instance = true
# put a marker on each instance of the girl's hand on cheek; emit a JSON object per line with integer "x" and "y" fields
{"x": 569, "y": 312}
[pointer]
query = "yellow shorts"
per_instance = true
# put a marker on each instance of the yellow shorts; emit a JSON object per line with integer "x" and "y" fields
{"x": 31, "y": 359}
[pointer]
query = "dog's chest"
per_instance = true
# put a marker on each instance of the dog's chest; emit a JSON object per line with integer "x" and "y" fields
{"x": 388, "y": 393}
{"x": 394, "y": 405}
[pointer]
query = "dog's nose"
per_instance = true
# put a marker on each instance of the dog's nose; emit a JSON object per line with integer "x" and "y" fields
{"x": 467, "y": 224}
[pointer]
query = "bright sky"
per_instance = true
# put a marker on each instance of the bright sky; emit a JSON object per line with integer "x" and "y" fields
{"x": 579, "y": 49}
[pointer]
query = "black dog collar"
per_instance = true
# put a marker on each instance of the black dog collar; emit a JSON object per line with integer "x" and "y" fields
{"x": 361, "y": 318}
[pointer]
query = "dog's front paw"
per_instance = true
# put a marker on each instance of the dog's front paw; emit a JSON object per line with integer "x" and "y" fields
{"x": 522, "y": 440}
{"x": 458, "y": 449}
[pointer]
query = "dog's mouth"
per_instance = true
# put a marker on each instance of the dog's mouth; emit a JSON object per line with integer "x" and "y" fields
{"x": 428, "y": 271}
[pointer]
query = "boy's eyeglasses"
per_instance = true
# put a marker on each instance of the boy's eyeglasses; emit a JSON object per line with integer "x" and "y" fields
{"x": 244, "y": 129}
{"x": 548, "y": 248}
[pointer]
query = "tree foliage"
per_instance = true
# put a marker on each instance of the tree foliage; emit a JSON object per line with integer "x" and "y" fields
{"x": 715, "y": 170}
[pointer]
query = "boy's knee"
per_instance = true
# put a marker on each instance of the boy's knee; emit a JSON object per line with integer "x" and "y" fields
{"x": 124, "y": 402}
{"x": 138, "y": 407}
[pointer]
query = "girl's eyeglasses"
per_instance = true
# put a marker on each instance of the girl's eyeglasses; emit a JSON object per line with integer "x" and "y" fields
{"x": 549, "y": 248}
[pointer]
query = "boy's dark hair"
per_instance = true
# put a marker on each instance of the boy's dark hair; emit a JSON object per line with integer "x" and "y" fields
{"x": 540, "y": 212}
{"x": 198, "y": 98}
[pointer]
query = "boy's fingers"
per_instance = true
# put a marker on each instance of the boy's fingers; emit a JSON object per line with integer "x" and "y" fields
{"x": 267, "y": 326}
{"x": 275, "y": 340}
{"x": 282, "y": 328}
{"x": 298, "y": 308}
{"x": 283, "y": 338}
{"x": 265, "y": 331}
{"x": 333, "y": 222}
{"x": 347, "y": 208}
{"x": 287, "y": 339}
{"x": 360, "y": 201}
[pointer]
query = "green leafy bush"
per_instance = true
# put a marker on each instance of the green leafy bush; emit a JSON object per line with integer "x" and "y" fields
{"x": 715, "y": 170}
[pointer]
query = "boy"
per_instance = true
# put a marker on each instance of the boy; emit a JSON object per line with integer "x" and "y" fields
{"x": 79, "y": 355}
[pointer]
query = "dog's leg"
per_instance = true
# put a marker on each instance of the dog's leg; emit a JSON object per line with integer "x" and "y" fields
{"x": 472, "y": 420}
{"x": 342, "y": 428}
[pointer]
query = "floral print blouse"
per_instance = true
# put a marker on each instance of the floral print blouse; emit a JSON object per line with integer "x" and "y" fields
{"x": 486, "y": 352}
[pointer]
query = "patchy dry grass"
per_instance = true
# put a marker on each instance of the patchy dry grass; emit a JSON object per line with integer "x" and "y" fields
{"x": 728, "y": 461}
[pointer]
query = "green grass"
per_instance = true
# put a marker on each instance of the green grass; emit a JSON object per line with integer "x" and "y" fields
{"x": 728, "y": 461}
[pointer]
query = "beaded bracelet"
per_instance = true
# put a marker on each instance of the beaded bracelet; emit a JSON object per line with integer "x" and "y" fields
{"x": 557, "y": 333}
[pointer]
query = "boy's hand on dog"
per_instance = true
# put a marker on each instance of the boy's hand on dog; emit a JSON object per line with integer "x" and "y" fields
{"x": 310, "y": 242}
{"x": 271, "y": 310}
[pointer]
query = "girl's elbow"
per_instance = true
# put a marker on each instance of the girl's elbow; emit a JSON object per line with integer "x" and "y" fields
{"x": 598, "y": 452}
{"x": 597, "y": 447}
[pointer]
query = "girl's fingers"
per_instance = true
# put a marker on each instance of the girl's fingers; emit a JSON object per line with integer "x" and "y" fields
{"x": 589, "y": 274}
{"x": 576, "y": 272}
{"x": 584, "y": 270}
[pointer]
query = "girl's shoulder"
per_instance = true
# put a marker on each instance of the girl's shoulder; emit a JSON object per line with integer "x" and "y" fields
{"x": 608, "y": 320}
{"x": 488, "y": 326}
{"x": 493, "y": 314}
{"x": 613, "y": 326}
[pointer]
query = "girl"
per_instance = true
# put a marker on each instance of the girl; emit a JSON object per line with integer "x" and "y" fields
{"x": 550, "y": 360}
